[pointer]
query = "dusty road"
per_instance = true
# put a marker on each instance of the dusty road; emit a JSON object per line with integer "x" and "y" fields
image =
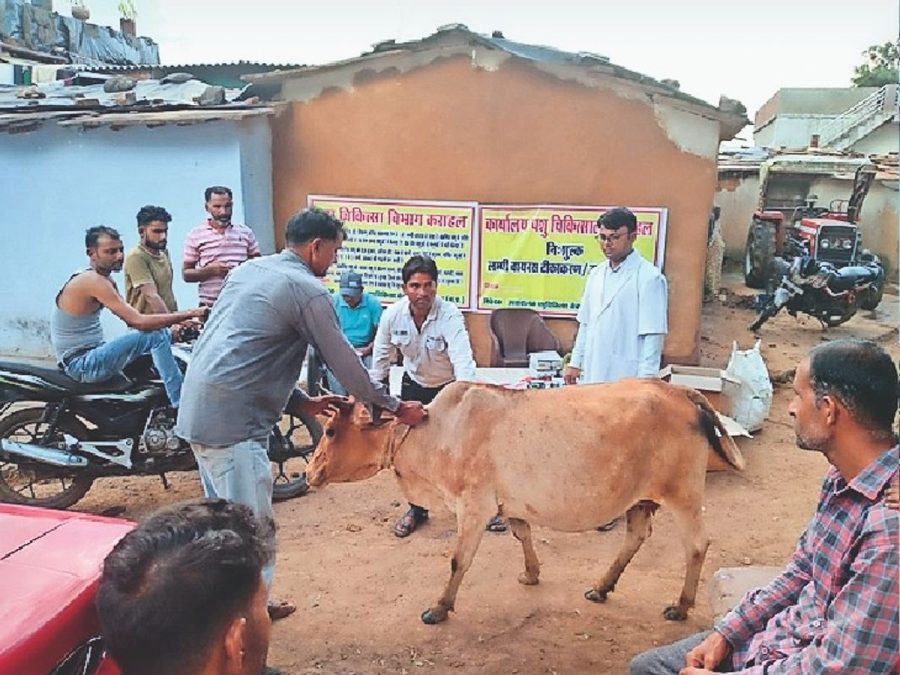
{"x": 360, "y": 590}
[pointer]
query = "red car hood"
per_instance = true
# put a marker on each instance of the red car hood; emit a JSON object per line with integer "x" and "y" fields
{"x": 50, "y": 563}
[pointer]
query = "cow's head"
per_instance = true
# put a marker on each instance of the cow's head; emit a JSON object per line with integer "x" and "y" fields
{"x": 354, "y": 447}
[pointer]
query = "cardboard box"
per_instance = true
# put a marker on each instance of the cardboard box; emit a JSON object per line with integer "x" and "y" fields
{"x": 716, "y": 385}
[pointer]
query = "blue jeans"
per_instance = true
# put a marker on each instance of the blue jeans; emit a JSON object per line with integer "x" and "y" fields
{"x": 336, "y": 387}
{"x": 108, "y": 360}
{"x": 241, "y": 473}
{"x": 670, "y": 659}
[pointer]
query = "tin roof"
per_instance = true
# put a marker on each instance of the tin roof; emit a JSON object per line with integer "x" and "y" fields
{"x": 147, "y": 102}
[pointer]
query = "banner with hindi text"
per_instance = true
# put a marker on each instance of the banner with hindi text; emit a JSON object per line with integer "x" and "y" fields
{"x": 384, "y": 233}
{"x": 539, "y": 257}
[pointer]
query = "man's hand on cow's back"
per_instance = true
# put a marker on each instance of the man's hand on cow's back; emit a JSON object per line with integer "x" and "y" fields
{"x": 571, "y": 374}
{"x": 411, "y": 413}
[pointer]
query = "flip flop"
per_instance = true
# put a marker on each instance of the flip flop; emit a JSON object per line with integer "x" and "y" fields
{"x": 279, "y": 609}
{"x": 407, "y": 524}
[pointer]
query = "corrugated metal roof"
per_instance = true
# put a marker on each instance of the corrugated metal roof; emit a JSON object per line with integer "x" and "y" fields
{"x": 58, "y": 95}
{"x": 18, "y": 123}
{"x": 148, "y": 102}
{"x": 187, "y": 66}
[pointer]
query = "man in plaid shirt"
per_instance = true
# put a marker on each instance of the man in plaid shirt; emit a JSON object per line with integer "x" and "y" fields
{"x": 834, "y": 609}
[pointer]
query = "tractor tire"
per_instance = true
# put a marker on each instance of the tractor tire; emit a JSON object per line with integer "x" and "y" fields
{"x": 759, "y": 254}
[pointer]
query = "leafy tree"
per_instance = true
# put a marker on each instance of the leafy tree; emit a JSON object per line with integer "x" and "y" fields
{"x": 880, "y": 68}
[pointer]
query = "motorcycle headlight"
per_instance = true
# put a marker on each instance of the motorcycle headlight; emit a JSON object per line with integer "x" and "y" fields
{"x": 847, "y": 244}
{"x": 824, "y": 244}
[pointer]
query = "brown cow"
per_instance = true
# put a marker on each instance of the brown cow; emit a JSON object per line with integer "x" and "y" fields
{"x": 566, "y": 458}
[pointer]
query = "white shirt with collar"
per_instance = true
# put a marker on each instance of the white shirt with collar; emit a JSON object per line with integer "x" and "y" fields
{"x": 622, "y": 321}
{"x": 438, "y": 354}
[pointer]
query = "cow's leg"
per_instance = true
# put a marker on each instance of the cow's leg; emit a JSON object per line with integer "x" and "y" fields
{"x": 639, "y": 527}
{"x": 522, "y": 531}
{"x": 689, "y": 521}
{"x": 470, "y": 519}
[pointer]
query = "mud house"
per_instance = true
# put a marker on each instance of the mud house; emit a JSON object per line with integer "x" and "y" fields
{"x": 466, "y": 117}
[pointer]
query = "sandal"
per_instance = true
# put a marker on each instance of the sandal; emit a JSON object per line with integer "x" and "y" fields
{"x": 279, "y": 609}
{"x": 408, "y": 523}
{"x": 496, "y": 524}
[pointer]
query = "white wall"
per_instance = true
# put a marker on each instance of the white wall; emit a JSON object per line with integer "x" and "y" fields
{"x": 256, "y": 180}
{"x": 883, "y": 140}
{"x": 738, "y": 196}
{"x": 56, "y": 182}
{"x": 792, "y": 131}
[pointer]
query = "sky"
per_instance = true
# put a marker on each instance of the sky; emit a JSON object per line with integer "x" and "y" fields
{"x": 744, "y": 50}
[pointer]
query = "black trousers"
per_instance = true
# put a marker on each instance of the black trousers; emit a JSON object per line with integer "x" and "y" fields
{"x": 413, "y": 391}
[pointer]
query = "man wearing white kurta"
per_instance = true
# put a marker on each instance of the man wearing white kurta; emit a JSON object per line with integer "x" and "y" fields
{"x": 622, "y": 317}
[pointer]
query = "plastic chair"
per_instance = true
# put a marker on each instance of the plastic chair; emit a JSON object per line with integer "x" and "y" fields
{"x": 516, "y": 333}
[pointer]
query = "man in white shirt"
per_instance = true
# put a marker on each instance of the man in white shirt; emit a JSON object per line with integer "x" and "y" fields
{"x": 431, "y": 335}
{"x": 622, "y": 317}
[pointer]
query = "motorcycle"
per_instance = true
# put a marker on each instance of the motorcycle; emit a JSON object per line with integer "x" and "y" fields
{"x": 58, "y": 435}
{"x": 821, "y": 290}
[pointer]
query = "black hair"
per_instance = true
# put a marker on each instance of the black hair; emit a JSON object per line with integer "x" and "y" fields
{"x": 618, "y": 217}
{"x": 92, "y": 235}
{"x": 217, "y": 190}
{"x": 420, "y": 264}
{"x": 171, "y": 586}
{"x": 312, "y": 224}
{"x": 149, "y": 213}
{"x": 862, "y": 376}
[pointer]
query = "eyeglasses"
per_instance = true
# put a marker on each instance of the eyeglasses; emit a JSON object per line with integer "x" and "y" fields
{"x": 612, "y": 238}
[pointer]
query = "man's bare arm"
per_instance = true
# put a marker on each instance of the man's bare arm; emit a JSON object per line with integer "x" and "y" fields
{"x": 106, "y": 294}
{"x": 155, "y": 303}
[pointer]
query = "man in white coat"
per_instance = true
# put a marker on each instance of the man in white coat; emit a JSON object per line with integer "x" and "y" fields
{"x": 622, "y": 317}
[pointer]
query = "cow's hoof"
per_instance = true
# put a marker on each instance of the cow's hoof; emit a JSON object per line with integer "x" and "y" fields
{"x": 675, "y": 613}
{"x": 434, "y": 615}
{"x": 595, "y": 596}
{"x": 527, "y": 579}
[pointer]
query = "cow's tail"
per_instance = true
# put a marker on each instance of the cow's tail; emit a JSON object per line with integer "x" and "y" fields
{"x": 723, "y": 445}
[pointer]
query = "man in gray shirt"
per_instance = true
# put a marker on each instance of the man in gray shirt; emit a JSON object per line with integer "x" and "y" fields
{"x": 246, "y": 364}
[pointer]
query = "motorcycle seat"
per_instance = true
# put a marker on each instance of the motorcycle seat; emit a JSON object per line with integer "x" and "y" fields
{"x": 57, "y": 377}
{"x": 850, "y": 277}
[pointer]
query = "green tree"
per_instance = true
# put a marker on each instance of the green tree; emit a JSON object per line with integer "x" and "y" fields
{"x": 880, "y": 67}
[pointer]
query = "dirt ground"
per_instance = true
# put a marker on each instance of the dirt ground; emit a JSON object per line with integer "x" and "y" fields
{"x": 360, "y": 590}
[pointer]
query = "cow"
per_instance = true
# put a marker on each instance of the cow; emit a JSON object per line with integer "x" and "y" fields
{"x": 565, "y": 458}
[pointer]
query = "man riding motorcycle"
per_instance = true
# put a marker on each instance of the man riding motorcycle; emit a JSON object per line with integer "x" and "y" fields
{"x": 77, "y": 335}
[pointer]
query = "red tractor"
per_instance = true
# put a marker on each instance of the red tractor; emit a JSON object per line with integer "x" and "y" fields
{"x": 789, "y": 225}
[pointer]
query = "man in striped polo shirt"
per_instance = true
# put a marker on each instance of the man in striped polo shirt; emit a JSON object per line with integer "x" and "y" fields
{"x": 217, "y": 246}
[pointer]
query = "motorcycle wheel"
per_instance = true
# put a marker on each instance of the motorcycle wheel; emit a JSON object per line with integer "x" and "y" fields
{"x": 872, "y": 297}
{"x": 31, "y": 483}
{"x": 289, "y": 451}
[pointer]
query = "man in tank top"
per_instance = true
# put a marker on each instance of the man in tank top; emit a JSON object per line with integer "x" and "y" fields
{"x": 75, "y": 329}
